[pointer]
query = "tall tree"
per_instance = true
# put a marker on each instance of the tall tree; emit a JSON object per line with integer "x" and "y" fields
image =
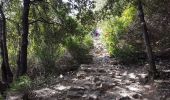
{"x": 7, "y": 75}
{"x": 22, "y": 59}
{"x": 152, "y": 69}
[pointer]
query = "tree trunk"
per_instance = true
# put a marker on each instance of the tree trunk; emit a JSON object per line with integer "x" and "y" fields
{"x": 152, "y": 69}
{"x": 7, "y": 75}
{"x": 22, "y": 59}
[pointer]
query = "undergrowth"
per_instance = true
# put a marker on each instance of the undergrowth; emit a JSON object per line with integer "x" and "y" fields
{"x": 79, "y": 47}
{"x": 21, "y": 84}
{"x": 114, "y": 30}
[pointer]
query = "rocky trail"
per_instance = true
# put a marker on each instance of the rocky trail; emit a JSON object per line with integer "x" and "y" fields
{"x": 104, "y": 79}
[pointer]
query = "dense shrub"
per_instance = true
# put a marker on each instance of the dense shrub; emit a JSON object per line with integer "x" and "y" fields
{"x": 48, "y": 55}
{"x": 79, "y": 47}
{"x": 22, "y": 83}
{"x": 114, "y": 30}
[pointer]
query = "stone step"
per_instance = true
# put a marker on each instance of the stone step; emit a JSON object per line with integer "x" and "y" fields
{"x": 75, "y": 92}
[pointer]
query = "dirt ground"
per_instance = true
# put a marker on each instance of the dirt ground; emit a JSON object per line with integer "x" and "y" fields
{"x": 105, "y": 79}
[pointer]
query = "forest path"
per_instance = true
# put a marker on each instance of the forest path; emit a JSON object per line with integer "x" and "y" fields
{"x": 98, "y": 81}
{"x": 104, "y": 79}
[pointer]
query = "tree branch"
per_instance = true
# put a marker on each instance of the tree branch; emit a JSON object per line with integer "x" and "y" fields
{"x": 44, "y": 21}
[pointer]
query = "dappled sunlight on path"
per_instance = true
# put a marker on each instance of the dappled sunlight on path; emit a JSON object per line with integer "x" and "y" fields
{"x": 101, "y": 56}
{"x": 100, "y": 80}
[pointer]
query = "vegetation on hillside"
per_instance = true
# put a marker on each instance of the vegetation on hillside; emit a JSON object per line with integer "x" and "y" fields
{"x": 46, "y": 38}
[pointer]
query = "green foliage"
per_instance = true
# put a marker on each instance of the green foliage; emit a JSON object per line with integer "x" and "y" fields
{"x": 50, "y": 25}
{"x": 79, "y": 47}
{"x": 49, "y": 58}
{"x": 114, "y": 8}
{"x": 114, "y": 29}
{"x": 87, "y": 40}
{"x": 22, "y": 83}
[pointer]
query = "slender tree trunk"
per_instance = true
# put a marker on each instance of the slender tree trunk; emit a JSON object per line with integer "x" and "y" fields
{"x": 22, "y": 59}
{"x": 7, "y": 75}
{"x": 152, "y": 69}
